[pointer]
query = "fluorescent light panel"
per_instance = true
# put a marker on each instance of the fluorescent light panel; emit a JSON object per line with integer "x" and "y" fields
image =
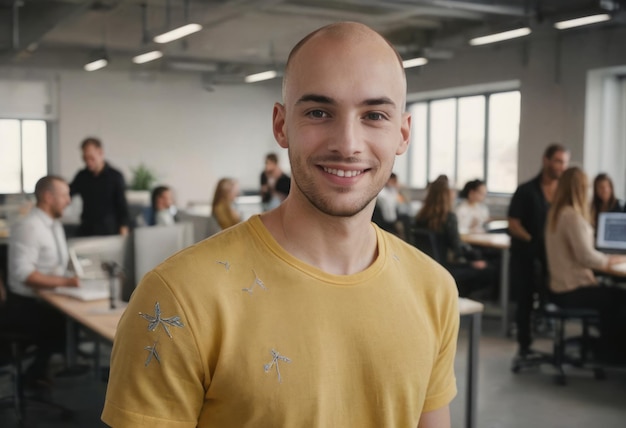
{"x": 414, "y": 62}
{"x": 498, "y": 37}
{"x": 585, "y": 20}
{"x": 178, "y": 33}
{"x": 147, "y": 57}
{"x": 266, "y": 75}
{"x": 96, "y": 65}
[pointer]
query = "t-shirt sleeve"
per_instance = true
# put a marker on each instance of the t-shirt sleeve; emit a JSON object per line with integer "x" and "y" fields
{"x": 442, "y": 385}
{"x": 156, "y": 377}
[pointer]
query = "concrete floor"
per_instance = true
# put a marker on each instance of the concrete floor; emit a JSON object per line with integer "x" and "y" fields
{"x": 505, "y": 400}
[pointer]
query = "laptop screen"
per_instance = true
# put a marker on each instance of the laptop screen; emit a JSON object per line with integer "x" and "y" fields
{"x": 611, "y": 231}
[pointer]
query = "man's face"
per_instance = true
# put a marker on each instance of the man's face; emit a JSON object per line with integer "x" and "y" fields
{"x": 93, "y": 158}
{"x": 342, "y": 122}
{"x": 59, "y": 198}
{"x": 555, "y": 165}
{"x": 270, "y": 167}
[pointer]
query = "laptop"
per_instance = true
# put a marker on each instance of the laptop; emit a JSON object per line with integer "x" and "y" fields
{"x": 611, "y": 233}
{"x": 90, "y": 289}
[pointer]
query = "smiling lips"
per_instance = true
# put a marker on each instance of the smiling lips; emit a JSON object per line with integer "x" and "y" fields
{"x": 342, "y": 173}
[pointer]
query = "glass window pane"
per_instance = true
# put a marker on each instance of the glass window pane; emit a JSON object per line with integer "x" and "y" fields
{"x": 10, "y": 156}
{"x": 417, "y": 147}
{"x": 471, "y": 135}
{"x": 34, "y": 152}
{"x": 442, "y": 138}
{"x": 504, "y": 118}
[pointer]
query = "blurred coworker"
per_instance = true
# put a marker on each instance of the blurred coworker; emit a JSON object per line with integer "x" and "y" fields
{"x": 101, "y": 187}
{"x": 275, "y": 183}
{"x": 604, "y": 199}
{"x": 223, "y": 209}
{"x": 463, "y": 262}
{"x": 472, "y": 212}
{"x": 163, "y": 208}
{"x": 388, "y": 202}
{"x": 527, "y": 219}
{"x": 38, "y": 258}
{"x": 571, "y": 258}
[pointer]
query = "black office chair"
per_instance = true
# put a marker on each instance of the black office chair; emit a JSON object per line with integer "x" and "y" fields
{"x": 559, "y": 356}
{"x": 425, "y": 240}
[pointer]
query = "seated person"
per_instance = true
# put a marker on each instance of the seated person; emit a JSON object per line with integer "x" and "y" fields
{"x": 223, "y": 207}
{"x": 604, "y": 200}
{"x": 163, "y": 208}
{"x": 571, "y": 258}
{"x": 388, "y": 202}
{"x": 472, "y": 213}
{"x": 464, "y": 263}
{"x": 38, "y": 258}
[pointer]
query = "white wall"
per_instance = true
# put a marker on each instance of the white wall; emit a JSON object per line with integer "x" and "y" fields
{"x": 189, "y": 136}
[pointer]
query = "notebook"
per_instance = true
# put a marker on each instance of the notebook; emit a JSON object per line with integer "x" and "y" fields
{"x": 90, "y": 289}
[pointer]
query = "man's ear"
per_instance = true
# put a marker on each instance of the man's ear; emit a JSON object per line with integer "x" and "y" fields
{"x": 278, "y": 125}
{"x": 405, "y": 132}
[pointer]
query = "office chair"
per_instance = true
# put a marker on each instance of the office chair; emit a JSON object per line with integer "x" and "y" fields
{"x": 425, "y": 240}
{"x": 559, "y": 356}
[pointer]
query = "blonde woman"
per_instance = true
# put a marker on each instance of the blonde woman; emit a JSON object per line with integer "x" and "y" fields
{"x": 571, "y": 258}
{"x": 224, "y": 211}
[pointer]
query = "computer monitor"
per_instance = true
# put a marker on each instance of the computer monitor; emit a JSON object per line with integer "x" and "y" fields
{"x": 611, "y": 232}
{"x": 88, "y": 253}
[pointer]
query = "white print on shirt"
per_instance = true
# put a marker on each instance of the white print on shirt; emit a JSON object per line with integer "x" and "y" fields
{"x": 257, "y": 281}
{"x": 225, "y": 263}
{"x": 152, "y": 353}
{"x": 276, "y": 357}
{"x": 154, "y": 321}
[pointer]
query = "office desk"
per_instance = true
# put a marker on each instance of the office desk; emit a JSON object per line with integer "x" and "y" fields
{"x": 473, "y": 312}
{"x": 502, "y": 242}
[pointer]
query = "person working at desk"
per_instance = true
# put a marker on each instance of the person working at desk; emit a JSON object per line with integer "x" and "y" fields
{"x": 604, "y": 200}
{"x": 275, "y": 183}
{"x": 223, "y": 205}
{"x": 101, "y": 187}
{"x": 163, "y": 209}
{"x": 307, "y": 315}
{"x": 472, "y": 212}
{"x": 38, "y": 259}
{"x": 571, "y": 258}
{"x": 527, "y": 219}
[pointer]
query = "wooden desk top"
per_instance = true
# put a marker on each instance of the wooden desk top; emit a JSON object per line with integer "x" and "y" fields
{"x": 95, "y": 315}
{"x": 500, "y": 241}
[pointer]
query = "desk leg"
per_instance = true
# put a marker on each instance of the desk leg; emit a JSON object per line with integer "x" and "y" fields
{"x": 504, "y": 291}
{"x": 472, "y": 370}
{"x": 70, "y": 343}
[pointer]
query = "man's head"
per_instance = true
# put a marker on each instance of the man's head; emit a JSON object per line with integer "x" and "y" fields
{"x": 93, "y": 155}
{"x": 271, "y": 164}
{"x": 342, "y": 118}
{"x": 162, "y": 198}
{"x": 555, "y": 160}
{"x": 53, "y": 195}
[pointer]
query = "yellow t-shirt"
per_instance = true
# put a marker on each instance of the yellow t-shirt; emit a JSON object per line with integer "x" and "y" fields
{"x": 235, "y": 332}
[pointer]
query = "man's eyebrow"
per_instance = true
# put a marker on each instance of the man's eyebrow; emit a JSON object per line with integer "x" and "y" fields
{"x": 379, "y": 101}
{"x": 314, "y": 98}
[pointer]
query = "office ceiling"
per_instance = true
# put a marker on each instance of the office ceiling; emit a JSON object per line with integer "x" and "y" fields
{"x": 240, "y": 37}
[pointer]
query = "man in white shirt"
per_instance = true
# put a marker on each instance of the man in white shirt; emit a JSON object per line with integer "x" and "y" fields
{"x": 38, "y": 259}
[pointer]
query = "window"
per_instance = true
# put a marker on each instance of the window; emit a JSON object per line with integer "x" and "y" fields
{"x": 23, "y": 154}
{"x": 466, "y": 138}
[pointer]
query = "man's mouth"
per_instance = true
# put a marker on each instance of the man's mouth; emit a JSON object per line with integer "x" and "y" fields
{"x": 343, "y": 172}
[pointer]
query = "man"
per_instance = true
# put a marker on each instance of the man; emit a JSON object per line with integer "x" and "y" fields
{"x": 307, "y": 315}
{"x": 527, "y": 218}
{"x": 388, "y": 203}
{"x": 38, "y": 259}
{"x": 275, "y": 183}
{"x": 101, "y": 187}
{"x": 163, "y": 206}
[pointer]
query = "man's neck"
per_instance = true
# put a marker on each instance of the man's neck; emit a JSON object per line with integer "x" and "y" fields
{"x": 547, "y": 180}
{"x": 336, "y": 245}
{"x": 99, "y": 170}
{"x": 46, "y": 210}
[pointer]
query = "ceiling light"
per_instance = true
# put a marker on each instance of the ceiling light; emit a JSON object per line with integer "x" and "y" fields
{"x": 498, "y": 37}
{"x": 97, "y": 64}
{"x": 178, "y": 33}
{"x": 266, "y": 75}
{"x": 147, "y": 57}
{"x": 585, "y": 20}
{"x": 414, "y": 62}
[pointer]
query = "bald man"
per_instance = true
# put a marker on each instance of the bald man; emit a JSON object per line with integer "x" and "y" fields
{"x": 307, "y": 315}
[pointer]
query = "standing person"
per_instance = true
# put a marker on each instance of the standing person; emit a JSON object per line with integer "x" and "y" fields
{"x": 275, "y": 183}
{"x": 527, "y": 220}
{"x": 223, "y": 209}
{"x": 38, "y": 259}
{"x": 472, "y": 211}
{"x": 604, "y": 200}
{"x": 571, "y": 258}
{"x": 307, "y": 315}
{"x": 101, "y": 187}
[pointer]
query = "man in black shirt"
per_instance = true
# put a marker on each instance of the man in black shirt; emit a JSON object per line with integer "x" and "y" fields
{"x": 275, "y": 184}
{"x": 101, "y": 187}
{"x": 527, "y": 219}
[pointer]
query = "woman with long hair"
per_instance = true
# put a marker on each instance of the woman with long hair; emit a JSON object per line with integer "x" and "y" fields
{"x": 463, "y": 262}
{"x": 571, "y": 258}
{"x": 604, "y": 199}
{"x": 472, "y": 212}
{"x": 223, "y": 209}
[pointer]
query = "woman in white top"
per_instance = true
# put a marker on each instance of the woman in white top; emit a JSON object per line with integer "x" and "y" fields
{"x": 472, "y": 212}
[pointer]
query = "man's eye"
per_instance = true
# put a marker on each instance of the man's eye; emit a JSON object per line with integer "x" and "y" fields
{"x": 375, "y": 116}
{"x": 317, "y": 114}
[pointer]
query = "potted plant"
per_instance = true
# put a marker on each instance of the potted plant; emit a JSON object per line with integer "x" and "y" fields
{"x": 142, "y": 181}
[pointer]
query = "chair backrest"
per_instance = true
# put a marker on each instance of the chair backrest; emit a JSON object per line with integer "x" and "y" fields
{"x": 425, "y": 240}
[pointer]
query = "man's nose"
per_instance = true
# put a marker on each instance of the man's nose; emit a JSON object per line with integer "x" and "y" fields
{"x": 347, "y": 137}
